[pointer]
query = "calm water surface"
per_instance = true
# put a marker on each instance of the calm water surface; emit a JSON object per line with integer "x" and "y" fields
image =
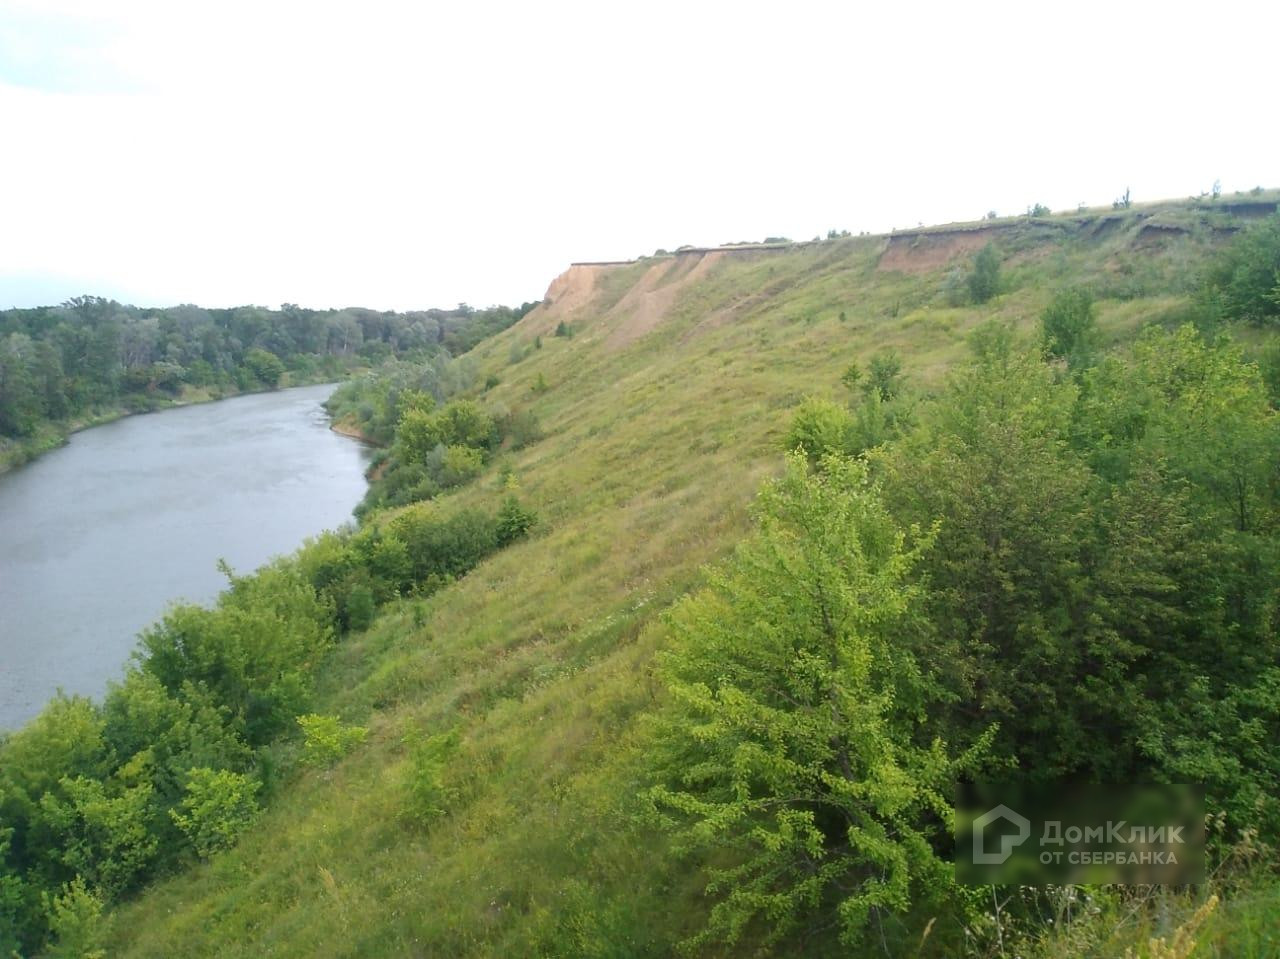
{"x": 98, "y": 538}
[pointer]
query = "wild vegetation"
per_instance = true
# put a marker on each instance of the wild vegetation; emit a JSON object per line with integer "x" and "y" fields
{"x": 92, "y": 359}
{"x": 431, "y": 443}
{"x": 822, "y": 540}
{"x": 97, "y": 799}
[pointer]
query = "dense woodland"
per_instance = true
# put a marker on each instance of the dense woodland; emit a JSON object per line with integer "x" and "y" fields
{"x": 90, "y": 357}
{"x": 1064, "y": 563}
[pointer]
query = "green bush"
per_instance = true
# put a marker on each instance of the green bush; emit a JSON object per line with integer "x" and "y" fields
{"x": 76, "y": 921}
{"x": 459, "y": 465}
{"x": 218, "y": 806}
{"x": 264, "y": 366}
{"x": 791, "y": 754}
{"x": 984, "y": 277}
{"x": 254, "y": 652}
{"x": 819, "y": 428}
{"x": 429, "y": 794}
{"x": 1069, "y": 328}
{"x": 513, "y": 522}
{"x": 1245, "y": 281}
{"x": 326, "y": 739}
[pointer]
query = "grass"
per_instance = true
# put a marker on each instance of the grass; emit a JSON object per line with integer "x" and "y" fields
{"x": 541, "y": 658}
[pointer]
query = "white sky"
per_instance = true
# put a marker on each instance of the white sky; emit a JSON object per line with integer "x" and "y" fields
{"x": 406, "y": 155}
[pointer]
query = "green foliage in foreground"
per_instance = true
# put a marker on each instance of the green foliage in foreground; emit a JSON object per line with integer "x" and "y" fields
{"x": 1097, "y": 600}
{"x": 794, "y": 745}
{"x": 515, "y": 832}
{"x": 96, "y": 800}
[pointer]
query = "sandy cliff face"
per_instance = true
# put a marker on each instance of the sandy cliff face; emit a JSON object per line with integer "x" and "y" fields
{"x": 572, "y": 297}
{"x": 568, "y": 293}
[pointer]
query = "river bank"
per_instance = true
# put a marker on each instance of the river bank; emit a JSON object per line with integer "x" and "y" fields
{"x": 135, "y": 515}
{"x": 51, "y": 436}
{"x": 348, "y": 428}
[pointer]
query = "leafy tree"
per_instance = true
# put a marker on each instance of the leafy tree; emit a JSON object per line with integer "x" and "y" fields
{"x": 792, "y": 753}
{"x": 1245, "y": 281}
{"x": 1069, "y": 328}
{"x": 820, "y": 428}
{"x": 514, "y": 521}
{"x": 852, "y": 376}
{"x": 264, "y": 366}
{"x": 77, "y": 922}
{"x": 14, "y": 899}
{"x": 418, "y": 433}
{"x": 461, "y": 423}
{"x": 103, "y": 830}
{"x": 254, "y": 652}
{"x": 177, "y": 731}
{"x": 218, "y": 806}
{"x": 444, "y": 547}
{"x": 991, "y": 458}
{"x": 885, "y": 375}
{"x": 466, "y": 423}
{"x": 460, "y": 464}
{"x": 984, "y": 277}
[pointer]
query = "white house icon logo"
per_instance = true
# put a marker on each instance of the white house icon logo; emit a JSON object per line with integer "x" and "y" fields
{"x": 1007, "y": 843}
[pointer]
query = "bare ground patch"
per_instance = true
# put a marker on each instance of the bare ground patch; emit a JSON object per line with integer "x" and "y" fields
{"x": 647, "y": 303}
{"x": 925, "y": 251}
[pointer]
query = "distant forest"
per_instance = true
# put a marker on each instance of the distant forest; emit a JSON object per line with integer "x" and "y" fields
{"x": 92, "y": 356}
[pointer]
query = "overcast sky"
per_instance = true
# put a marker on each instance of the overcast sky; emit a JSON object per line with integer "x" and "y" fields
{"x": 405, "y": 155}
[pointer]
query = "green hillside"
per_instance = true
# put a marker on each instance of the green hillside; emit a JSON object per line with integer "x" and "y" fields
{"x": 665, "y": 389}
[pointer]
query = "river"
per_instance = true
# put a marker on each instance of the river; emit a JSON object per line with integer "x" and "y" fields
{"x": 99, "y": 537}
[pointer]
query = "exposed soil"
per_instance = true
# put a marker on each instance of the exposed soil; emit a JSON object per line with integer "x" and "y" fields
{"x": 647, "y": 303}
{"x": 568, "y": 293}
{"x": 1103, "y": 227}
{"x": 1251, "y": 208}
{"x": 923, "y": 251}
{"x": 1153, "y": 234}
{"x": 347, "y": 427}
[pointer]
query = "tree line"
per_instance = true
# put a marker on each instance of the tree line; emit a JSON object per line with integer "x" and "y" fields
{"x": 91, "y": 355}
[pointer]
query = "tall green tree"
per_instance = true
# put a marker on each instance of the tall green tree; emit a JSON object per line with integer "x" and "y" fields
{"x": 1069, "y": 328}
{"x": 984, "y": 277}
{"x": 794, "y": 752}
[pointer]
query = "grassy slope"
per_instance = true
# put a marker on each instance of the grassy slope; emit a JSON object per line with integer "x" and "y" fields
{"x": 541, "y": 657}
